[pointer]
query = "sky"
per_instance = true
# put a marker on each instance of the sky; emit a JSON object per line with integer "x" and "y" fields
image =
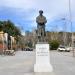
{"x": 23, "y": 13}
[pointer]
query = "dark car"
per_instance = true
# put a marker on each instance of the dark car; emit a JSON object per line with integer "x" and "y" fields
{"x": 28, "y": 49}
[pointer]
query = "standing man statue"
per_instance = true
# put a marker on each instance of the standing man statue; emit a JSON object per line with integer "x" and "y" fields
{"x": 42, "y": 64}
{"x": 41, "y": 21}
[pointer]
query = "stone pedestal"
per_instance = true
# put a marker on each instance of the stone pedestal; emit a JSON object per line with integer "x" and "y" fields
{"x": 42, "y": 58}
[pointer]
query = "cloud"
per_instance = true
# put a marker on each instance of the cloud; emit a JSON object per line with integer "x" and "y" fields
{"x": 24, "y": 12}
{"x": 24, "y": 4}
{"x": 50, "y": 7}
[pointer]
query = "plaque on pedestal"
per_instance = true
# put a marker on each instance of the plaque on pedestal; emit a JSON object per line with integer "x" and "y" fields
{"x": 42, "y": 58}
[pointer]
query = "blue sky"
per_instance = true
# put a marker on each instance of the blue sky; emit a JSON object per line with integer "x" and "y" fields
{"x": 23, "y": 13}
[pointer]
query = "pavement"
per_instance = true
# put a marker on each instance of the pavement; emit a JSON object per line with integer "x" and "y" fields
{"x": 63, "y": 63}
{"x": 23, "y": 61}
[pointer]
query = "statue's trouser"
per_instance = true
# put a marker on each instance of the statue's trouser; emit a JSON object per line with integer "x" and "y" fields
{"x": 41, "y": 32}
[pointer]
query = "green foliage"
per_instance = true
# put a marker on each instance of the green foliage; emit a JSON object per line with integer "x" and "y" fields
{"x": 1, "y": 25}
{"x": 54, "y": 44}
{"x": 10, "y": 28}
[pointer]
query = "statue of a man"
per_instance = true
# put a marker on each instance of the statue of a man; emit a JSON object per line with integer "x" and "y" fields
{"x": 41, "y": 20}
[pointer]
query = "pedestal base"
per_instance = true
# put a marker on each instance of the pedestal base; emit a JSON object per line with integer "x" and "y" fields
{"x": 42, "y": 58}
{"x": 43, "y": 68}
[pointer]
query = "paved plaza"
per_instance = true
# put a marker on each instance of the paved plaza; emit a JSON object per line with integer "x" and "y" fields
{"x": 22, "y": 63}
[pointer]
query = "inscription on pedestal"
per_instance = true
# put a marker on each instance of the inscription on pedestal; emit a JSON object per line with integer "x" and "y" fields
{"x": 42, "y": 53}
{"x": 42, "y": 58}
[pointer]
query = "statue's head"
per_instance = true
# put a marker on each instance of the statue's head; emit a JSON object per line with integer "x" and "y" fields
{"x": 40, "y": 12}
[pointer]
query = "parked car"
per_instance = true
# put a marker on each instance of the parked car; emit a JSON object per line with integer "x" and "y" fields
{"x": 28, "y": 49}
{"x": 61, "y": 48}
{"x": 64, "y": 48}
{"x": 68, "y": 49}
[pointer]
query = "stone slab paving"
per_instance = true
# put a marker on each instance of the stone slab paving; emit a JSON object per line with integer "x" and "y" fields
{"x": 63, "y": 63}
{"x": 22, "y": 64}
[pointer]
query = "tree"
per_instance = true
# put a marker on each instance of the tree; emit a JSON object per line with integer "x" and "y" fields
{"x": 54, "y": 44}
{"x": 10, "y": 28}
{"x": 1, "y": 25}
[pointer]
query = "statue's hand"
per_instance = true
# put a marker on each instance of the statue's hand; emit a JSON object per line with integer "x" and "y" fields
{"x": 41, "y": 23}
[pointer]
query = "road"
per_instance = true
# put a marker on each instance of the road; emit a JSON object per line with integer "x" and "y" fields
{"x": 22, "y": 63}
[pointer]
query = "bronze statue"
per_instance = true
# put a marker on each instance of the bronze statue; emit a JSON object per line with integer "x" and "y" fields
{"x": 41, "y": 21}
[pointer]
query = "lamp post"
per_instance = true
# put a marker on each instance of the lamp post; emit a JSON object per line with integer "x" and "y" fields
{"x": 70, "y": 16}
{"x": 64, "y": 32}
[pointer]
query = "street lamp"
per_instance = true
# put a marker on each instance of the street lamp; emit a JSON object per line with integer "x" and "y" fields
{"x": 70, "y": 15}
{"x": 64, "y": 32}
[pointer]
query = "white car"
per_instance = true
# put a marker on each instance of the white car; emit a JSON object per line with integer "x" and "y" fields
{"x": 64, "y": 48}
{"x": 68, "y": 49}
{"x": 61, "y": 48}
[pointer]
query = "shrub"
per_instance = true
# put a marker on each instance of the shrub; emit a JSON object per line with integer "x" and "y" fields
{"x": 54, "y": 44}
